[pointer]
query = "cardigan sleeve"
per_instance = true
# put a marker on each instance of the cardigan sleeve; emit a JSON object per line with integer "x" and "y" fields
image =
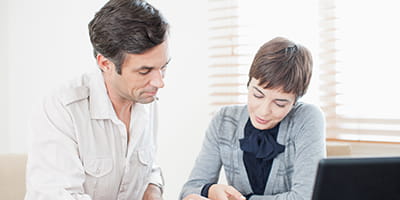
{"x": 208, "y": 163}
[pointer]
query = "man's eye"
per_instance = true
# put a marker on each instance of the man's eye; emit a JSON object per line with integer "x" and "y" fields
{"x": 144, "y": 72}
{"x": 163, "y": 69}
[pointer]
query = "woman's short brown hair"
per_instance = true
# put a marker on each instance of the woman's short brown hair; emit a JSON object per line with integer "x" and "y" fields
{"x": 282, "y": 63}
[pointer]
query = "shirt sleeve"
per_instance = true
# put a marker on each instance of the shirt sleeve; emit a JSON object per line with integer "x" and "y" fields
{"x": 156, "y": 177}
{"x": 310, "y": 148}
{"x": 54, "y": 169}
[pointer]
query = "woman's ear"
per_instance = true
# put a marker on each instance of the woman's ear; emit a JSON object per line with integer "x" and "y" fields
{"x": 104, "y": 63}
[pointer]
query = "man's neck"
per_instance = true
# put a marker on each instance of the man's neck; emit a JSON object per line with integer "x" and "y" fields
{"x": 123, "y": 111}
{"x": 121, "y": 106}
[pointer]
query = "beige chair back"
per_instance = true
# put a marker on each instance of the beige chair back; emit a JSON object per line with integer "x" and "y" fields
{"x": 12, "y": 176}
{"x": 338, "y": 149}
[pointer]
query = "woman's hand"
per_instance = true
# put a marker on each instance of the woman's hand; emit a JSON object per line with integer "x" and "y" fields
{"x": 224, "y": 192}
{"x": 194, "y": 197}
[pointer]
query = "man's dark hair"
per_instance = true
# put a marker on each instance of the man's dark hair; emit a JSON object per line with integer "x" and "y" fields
{"x": 126, "y": 26}
{"x": 282, "y": 63}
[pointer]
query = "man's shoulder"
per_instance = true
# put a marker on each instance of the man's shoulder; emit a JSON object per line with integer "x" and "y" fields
{"x": 74, "y": 94}
{"x": 74, "y": 90}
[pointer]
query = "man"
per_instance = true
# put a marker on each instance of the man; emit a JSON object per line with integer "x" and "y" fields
{"x": 95, "y": 139}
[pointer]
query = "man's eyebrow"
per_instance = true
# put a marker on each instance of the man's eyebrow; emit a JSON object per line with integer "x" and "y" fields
{"x": 166, "y": 63}
{"x": 146, "y": 67}
{"x": 150, "y": 68}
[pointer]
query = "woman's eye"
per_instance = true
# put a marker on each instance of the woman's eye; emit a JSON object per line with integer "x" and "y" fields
{"x": 257, "y": 96}
{"x": 280, "y": 105}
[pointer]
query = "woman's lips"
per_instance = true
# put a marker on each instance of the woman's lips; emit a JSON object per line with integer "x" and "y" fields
{"x": 261, "y": 121}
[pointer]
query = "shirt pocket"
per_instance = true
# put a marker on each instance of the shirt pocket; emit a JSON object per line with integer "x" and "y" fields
{"x": 145, "y": 157}
{"x": 96, "y": 170}
{"x": 98, "y": 167}
{"x": 142, "y": 163}
{"x": 139, "y": 170}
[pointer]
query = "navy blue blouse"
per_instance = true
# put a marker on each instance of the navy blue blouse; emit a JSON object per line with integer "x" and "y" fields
{"x": 259, "y": 149}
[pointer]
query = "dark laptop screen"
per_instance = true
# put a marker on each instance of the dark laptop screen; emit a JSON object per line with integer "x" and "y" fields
{"x": 375, "y": 178}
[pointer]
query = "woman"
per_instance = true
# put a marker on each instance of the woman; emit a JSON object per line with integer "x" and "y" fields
{"x": 270, "y": 147}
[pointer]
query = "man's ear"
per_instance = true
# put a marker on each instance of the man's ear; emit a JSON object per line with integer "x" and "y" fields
{"x": 104, "y": 63}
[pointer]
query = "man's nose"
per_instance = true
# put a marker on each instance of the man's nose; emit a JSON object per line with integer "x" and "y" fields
{"x": 157, "y": 79}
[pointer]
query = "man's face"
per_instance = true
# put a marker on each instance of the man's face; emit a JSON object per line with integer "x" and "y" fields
{"x": 141, "y": 75}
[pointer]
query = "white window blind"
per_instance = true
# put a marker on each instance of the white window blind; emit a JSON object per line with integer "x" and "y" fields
{"x": 354, "y": 46}
{"x": 239, "y": 27}
{"x": 359, "y": 61}
{"x": 224, "y": 58}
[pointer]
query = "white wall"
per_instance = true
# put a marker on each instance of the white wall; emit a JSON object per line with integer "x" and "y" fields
{"x": 48, "y": 44}
{"x": 3, "y": 77}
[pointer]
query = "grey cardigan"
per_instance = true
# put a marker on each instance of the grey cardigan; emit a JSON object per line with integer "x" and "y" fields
{"x": 292, "y": 174}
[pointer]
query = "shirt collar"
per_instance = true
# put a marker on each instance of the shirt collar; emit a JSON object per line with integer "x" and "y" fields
{"x": 100, "y": 103}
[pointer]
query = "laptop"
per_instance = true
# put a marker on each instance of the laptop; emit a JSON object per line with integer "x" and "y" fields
{"x": 376, "y": 178}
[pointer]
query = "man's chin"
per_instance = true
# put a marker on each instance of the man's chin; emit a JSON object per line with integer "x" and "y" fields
{"x": 147, "y": 100}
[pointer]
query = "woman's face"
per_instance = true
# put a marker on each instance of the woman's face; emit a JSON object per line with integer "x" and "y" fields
{"x": 267, "y": 107}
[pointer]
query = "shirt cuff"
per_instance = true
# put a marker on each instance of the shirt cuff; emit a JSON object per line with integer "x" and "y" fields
{"x": 248, "y": 196}
{"x": 204, "y": 190}
{"x": 156, "y": 178}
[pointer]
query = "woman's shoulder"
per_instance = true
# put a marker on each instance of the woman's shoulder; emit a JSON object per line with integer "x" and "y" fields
{"x": 305, "y": 117}
{"x": 306, "y": 111}
{"x": 232, "y": 112}
{"x": 229, "y": 117}
{"x": 304, "y": 121}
